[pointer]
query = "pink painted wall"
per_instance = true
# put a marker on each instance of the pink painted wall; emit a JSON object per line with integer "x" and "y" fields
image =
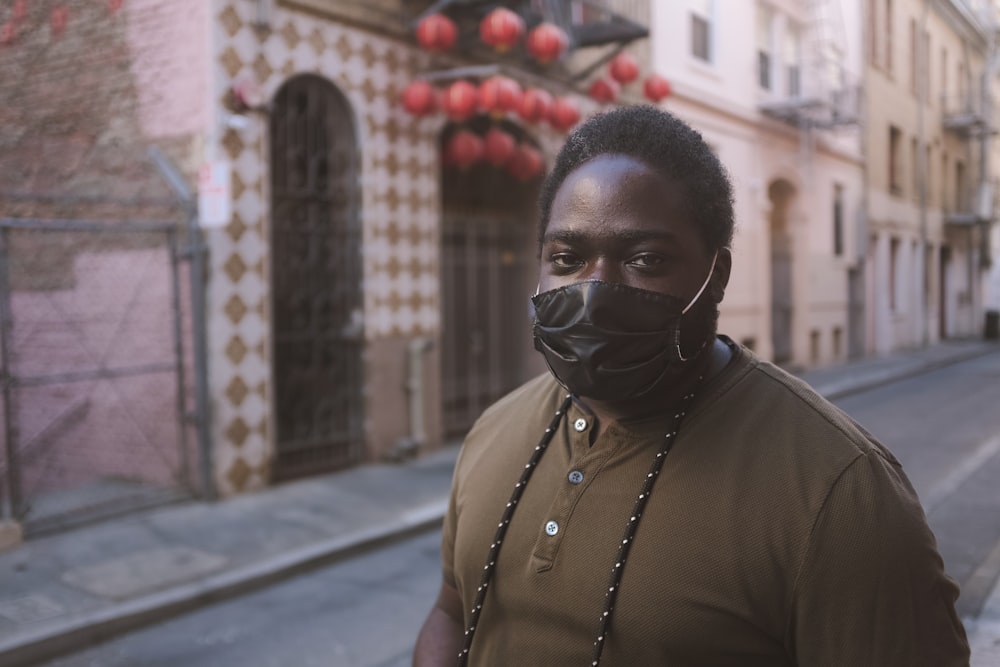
{"x": 169, "y": 45}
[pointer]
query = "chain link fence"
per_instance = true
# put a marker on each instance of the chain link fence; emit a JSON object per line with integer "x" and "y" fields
{"x": 96, "y": 362}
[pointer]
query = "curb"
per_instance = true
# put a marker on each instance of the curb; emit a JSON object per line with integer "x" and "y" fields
{"x": 842, "y": 389}
{"x": 85, "y": 629}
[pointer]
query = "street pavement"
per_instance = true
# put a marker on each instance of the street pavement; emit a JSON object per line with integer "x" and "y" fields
{"x": 69, "y": 590}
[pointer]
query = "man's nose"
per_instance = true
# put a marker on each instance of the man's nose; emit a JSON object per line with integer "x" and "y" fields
{"x": 606, "y": 270}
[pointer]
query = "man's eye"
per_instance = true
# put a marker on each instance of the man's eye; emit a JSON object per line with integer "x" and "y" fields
{"x": 564, "y": 260}
{"x": 646, "y": 260}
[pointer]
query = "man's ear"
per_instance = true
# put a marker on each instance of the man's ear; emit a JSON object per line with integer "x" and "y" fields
{"x": 720, "y": 275}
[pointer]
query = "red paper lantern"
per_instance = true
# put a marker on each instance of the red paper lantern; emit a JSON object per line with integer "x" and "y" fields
{"x": 20, "y": 10}
{"x": 8, "y": 33}
{"x": 436, "y": 33}
{"x": 535, "y": 105}
{"x": 59, "y": 19}
{"x": 564, "y": 114}
{"x": 418, "y": 98}
{"x": 459, "y": 101}
{"x": 623, "y": 68}
{"x": 547, "y": 42}
{"x": 526, "y": 163}
{"x": 115, "y": 5}
{"x": 656, "y": 88}
{"x": 499, "y": 147}
{"x": 501, "y": 29}
{"x": 604, "y": 91}
{"x": 498, "y": 95}
{"x": 464, "y": 149}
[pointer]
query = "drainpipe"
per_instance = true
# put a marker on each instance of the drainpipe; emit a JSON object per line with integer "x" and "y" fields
{"x": 985, "y": 203}
{"x": 922, "y": 99}
{"x": 415, "y": 381}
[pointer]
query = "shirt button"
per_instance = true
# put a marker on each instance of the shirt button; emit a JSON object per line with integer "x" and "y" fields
{"x": 580, "y": 424}
{"x": 551, "y": 528}
{"x": 575, "y": 477}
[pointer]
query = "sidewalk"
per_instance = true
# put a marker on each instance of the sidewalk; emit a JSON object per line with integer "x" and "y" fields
{"x": 66, "y": 591}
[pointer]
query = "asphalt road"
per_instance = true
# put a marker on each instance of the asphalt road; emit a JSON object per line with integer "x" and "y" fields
{"x": 944, "y": 427}
{"x": 362, "y": 612}
{"x": 365, "y": 612}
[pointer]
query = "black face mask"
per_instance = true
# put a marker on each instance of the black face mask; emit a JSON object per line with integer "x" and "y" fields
{"x": 609, "y": 341}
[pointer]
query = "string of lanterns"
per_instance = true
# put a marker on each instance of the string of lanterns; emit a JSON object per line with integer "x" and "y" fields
{"x": 502, "y": 29}
{"x": 59, "y": 16}
{"x": 500, "y": 96}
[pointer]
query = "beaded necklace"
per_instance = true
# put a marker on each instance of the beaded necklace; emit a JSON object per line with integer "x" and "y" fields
{"x": 623, "y": 548}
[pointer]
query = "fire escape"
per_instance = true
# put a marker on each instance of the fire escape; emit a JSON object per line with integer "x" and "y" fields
{"x": 825, "y": 97}
{"x": 970, "y": 117}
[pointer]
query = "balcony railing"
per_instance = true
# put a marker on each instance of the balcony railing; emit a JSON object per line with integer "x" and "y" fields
{"x": 822, "y": 109}
{"x": 972, "y": 206}
{"x": 963, "y": 114}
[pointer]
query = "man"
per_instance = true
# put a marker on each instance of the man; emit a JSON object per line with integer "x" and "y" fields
{"x": 663, "y": 497}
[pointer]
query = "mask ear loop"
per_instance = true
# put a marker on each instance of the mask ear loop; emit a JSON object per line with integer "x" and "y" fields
{"x": 677, "y": 331}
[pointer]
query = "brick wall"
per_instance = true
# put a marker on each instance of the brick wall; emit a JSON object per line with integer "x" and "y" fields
{"x": 81, "y": 104}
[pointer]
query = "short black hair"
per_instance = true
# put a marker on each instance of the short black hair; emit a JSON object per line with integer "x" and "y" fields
{"x": 663, "y": 142}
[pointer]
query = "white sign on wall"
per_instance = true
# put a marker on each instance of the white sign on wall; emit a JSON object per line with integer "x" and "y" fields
{"x": 215, "y": 194}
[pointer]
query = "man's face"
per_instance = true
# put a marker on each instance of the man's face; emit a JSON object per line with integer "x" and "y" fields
{"x": 615, "y": 219}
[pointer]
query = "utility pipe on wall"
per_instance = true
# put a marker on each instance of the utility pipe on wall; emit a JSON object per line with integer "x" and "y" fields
{"x": 416, "y": 395}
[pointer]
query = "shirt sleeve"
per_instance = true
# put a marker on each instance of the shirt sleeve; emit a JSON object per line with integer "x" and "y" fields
{"x": 448, "y": 528}
{"x": 872, "y": 588}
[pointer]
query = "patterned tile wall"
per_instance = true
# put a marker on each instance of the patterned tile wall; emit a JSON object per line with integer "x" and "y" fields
{"x": 399, "y": 208}
{"x": 400, "y": 211}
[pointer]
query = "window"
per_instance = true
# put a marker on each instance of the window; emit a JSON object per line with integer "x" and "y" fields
{"x": 915, "y": 167}
{"x": 944, "y": 75}
{"x": 888, "y": 36}
{"x": 701, "y": 29}
{"x": 961, "y": 88}
{"x": 928, "y": 276}
{"x": 944, "y": 180}
{"x": 893, "y": 268}
{"x": 895, "y": 147}
{"x": 925, "y": 67}
{"x": 959, "y": 186}
{"x": 765, "y": 19}
{"x": 928, "y": 175}
{"x": 838, "y": 219}
{"x": 838, "y": 335}
{"x": 873, "y": 58}
{"x": 793, "y": 60}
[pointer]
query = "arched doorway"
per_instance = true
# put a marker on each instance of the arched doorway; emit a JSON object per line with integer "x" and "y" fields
{"x": 316, "y": 277}
{"x": 487, "y": 274}
{"x": 781, "y": 194}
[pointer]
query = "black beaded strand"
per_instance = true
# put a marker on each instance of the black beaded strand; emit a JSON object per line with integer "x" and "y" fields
{"x": 508, "y": 514}
{"x": 632, "y": 526}
{"x": 623, "y": 548}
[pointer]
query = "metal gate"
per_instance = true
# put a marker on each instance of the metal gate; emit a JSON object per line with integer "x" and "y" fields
{"x": 316, "y": 269}
{"x": 781, "y": 302}
{"x": 95, "y": 368}
{"x": 487, "y": 273}
{"x": 855, "y": 313}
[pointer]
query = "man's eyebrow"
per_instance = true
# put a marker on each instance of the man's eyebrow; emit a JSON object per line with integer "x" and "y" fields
{"x": 570, "y": 236}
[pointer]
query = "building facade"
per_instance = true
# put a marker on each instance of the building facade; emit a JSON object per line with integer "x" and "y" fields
{"x": 779, "y": 104}
{"x": 931, "y": 81}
